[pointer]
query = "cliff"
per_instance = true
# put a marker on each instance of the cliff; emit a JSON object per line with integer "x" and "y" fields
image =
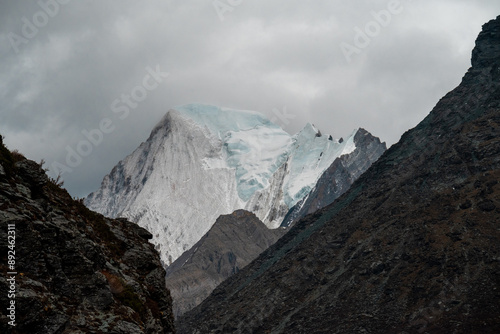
{"x": 71, "y": 269}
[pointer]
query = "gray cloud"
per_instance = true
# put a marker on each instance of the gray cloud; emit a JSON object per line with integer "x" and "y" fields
{"x": 264, "y": 55}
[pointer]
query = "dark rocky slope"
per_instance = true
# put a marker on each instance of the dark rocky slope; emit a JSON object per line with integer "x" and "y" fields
{"x": 412, "y": 247}
{"x": 77, "y": 271}
{"x": 232, "y": 243}
{"x": 337, "y": 179}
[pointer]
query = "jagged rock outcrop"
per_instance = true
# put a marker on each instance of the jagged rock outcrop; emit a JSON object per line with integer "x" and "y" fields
{"x": 412, "y": 247}
{"x": 75, "y": 271}
{"x": 337, "y": 179}
{"x": 232, "y": 242}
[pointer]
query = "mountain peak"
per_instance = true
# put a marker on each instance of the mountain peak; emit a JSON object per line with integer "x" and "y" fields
{"x": 203, "y": 161}
{"x": 232, "y": 242}
{"x": 221, "y": 120}
{"x": 487, "y": 50}
{"x": 309, "y": 131}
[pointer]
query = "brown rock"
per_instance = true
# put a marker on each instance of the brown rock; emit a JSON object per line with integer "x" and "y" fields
{"x": 77, "y": 271}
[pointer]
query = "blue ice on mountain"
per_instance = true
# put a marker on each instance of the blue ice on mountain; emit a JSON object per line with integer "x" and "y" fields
{"x": 255, "y": 148}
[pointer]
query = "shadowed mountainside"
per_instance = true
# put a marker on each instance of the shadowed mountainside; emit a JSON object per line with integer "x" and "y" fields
{"x": 412, "y": 247}
{"x": 232, "y": 242}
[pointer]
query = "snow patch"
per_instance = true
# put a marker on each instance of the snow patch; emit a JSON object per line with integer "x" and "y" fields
{"x": 350, "y": 146}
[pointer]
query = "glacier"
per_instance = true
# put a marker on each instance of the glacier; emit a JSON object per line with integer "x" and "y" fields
{"x": 202, "y": 161}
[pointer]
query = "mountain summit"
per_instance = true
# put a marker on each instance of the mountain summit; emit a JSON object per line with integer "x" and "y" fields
{"x": 202, "y": 161}
{"x": 232, "y": 242}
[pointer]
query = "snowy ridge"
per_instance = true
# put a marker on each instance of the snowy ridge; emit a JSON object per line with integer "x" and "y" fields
{"x": 203, "y": 161}
{"x": 311, "y": 155}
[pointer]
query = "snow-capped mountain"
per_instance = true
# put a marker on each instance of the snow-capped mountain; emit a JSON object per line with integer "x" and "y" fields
{"x": 202, "y": 161}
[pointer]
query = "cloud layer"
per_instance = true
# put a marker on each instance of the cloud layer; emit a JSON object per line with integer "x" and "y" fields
{"x": 64, "y": 63}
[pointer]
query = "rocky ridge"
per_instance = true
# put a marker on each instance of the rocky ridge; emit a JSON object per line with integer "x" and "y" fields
{"x": 232, "y": 243}
{"x": 77, "y": 271}
{"x": 337, "y": 179}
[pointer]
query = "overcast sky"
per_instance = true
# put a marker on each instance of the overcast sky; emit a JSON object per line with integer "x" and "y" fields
{"x": 68, "y": 66}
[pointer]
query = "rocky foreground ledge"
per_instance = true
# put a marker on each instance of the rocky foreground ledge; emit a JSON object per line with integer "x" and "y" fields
{"x": 74, "y": 270}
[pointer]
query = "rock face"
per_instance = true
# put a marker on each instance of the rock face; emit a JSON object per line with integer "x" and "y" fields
{"x": 232, "y": 242}
{"x": 77, "y": 271}
{"x": 412, "y": 247}
{"x": 337, "y": 179}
